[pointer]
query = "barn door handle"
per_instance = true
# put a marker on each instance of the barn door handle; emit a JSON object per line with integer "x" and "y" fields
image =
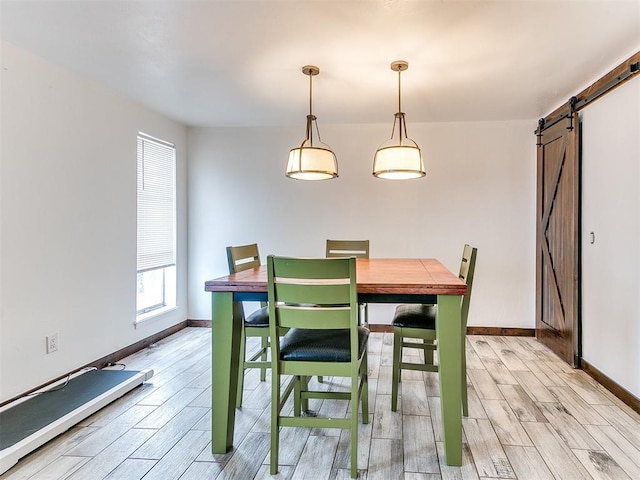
{"x": 593, "y": 238}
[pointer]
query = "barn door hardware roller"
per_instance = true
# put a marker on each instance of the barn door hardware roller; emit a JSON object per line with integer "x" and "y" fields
{"x": 573, "y": 101}
{"x": 539, "y": 132}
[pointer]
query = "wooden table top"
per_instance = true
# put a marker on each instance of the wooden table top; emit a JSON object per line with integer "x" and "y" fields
{"x": 407, "y": 276}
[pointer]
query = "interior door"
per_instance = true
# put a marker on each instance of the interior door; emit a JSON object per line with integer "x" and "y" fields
{"x": 557, "y": 240}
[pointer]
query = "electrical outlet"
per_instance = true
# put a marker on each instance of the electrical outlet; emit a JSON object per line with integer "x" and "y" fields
{"x": 52, "y": 343}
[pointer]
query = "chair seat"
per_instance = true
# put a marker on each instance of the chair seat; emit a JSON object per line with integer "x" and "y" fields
{"x": 259, "y": 318}
{"x": 415, "y": 316}
{"x": 320, "y": 345}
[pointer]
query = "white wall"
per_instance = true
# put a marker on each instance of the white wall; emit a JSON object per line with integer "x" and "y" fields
{"x": 67, "y": 203}
{"x": 479, "y": 189}
{"x": 611, "y": 209}
{"x": 68, "y": 215}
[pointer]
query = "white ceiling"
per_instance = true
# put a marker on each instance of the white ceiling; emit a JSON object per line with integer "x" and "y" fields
{"x": 237, "y": 63}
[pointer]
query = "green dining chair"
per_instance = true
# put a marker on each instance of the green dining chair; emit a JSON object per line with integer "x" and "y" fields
{"x": 245, "y": 257}
{"x": 347, "y": 248}
{"x": 416, "y": 321}
{"x": 314, "y": 300}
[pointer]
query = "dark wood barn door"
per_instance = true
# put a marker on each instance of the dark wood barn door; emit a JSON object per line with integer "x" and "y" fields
{"x": 557, "y": 240}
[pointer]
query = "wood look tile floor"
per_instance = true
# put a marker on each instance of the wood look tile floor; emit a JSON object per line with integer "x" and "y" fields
{"x": 530, "y": 417}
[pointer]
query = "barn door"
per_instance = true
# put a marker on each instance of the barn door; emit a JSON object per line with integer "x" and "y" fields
{"x": 557, "y": 240}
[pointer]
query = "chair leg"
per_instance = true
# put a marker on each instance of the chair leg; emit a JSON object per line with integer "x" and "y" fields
{"x": 297, "y": 390}
{"x": 364, "y": 369}
{"x": 354, "y": 426}
{"x": 300, "y": 404}
{"x": 304, "y": 387}
{"x": 263, "y": 370}
{"x": 465, "y": 402}
{"x": 428, "y": 353}
{"x": 243, "y": 344}
{"x": 275, "y": 423}
{"x": 397, "y": 358}
{"x": 365, "y": 314}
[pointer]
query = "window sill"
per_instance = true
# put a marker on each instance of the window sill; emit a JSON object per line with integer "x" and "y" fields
{"x": 153, "y": 314}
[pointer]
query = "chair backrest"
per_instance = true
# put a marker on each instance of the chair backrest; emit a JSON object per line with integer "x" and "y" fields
{"x": 243, "y": 257}
{"x": 467, "y": 269}
{"x": 347, "y": 248}
{"x": 312, "y": 293}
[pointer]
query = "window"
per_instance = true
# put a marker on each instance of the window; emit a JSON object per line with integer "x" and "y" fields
{"x": 156, "y": 192}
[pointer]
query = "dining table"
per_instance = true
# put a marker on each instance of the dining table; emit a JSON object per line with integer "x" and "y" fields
{"x": 379, "y": 280}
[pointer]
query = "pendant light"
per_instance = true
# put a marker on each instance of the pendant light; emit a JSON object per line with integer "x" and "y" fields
{"x": 312, "y": 160}
{"x": 398, "y": 158}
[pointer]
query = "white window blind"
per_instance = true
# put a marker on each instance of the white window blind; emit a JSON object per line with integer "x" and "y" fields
{"x": 156, "y": 203}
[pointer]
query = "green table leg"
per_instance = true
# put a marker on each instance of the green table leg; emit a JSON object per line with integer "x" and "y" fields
{"x": 449, "y": 331}
{"x": 225, "y": 334}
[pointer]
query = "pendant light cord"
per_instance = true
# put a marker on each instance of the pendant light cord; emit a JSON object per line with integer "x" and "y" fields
{"x": 311, "y": 118}
{"x": 399, "y": 90}
{"x": 310, "y": 94}
{"x": 400, "y": 115}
